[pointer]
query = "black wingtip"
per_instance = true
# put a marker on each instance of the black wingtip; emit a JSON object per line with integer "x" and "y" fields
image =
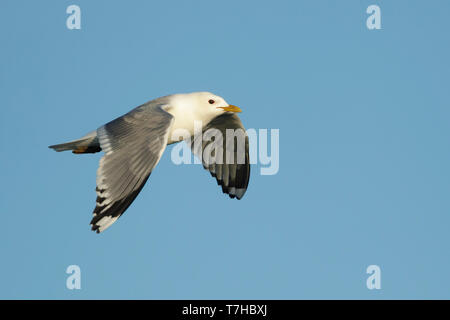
{"x": 95, "y": 228}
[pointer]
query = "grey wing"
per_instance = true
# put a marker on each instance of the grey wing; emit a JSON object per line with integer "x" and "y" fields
{"x": 231, "y": 168}
{"x": 133, "y": 145}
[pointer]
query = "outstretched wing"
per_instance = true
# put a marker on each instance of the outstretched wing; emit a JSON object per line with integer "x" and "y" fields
{"x": 133, "y": 145}
{"x": 231, "y": 167}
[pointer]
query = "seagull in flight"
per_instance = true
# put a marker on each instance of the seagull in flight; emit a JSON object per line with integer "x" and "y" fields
{"x": 133, "y": 145}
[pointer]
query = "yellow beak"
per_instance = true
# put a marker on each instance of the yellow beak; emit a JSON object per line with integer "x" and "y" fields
{"x": 231, "y": 108}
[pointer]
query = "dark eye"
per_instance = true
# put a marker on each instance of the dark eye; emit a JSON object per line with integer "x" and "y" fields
{"x": 211, "y": 101}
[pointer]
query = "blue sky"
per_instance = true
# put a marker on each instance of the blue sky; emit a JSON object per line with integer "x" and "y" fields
{"x": 364, "y": 150}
